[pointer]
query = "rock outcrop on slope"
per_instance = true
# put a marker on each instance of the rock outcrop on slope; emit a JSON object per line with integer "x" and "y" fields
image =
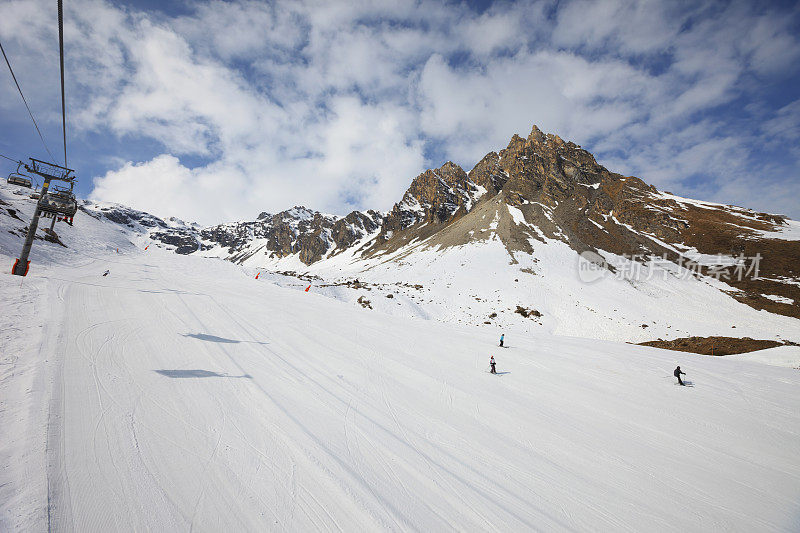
{"x": 435, "y": 198}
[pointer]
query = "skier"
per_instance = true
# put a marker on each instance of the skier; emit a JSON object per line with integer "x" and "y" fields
{"x": 106, "y": 273}
{"x": 491, "y": 364}
{"x": 502, "y": 336}
{"x": 677, "y": 374}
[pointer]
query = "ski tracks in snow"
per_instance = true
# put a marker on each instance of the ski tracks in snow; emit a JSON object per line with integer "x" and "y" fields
{"x": 284, "y": 417}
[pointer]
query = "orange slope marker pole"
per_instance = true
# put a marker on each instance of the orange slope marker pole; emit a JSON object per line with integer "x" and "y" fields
{"x": 307, "y": 288}
{"x": 258, "y": 274}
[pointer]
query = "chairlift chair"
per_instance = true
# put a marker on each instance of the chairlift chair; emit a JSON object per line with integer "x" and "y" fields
{"x": 59, "y": 201}
{"x": 19, "y": 179}
{"x": 15, "y": 178}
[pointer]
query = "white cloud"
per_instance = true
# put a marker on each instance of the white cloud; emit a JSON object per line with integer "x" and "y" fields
{"x": 339, "y": 105}
{"x": 785, "y": 126}
{"x": 631, "y": 26}
{"x": 568, "y": 95}
{"x": 161, "y": 186}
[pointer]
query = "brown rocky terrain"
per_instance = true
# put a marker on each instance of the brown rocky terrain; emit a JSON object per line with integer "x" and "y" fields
{"x": 714, "y": 345}
{"x": 435, "y": 198}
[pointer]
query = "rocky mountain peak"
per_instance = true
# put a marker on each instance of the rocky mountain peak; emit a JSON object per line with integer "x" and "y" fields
{"x": 435, "y": 197}
{"x": 536, "y": 135}
{"x": 488, "y": 174}
{"x": 435, "y": 186}
{"x": 300, "y": 212}
{"x": 540, "y": 168}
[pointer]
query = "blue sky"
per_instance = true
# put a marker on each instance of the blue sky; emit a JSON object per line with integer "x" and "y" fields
{"x": 216, "y": 111}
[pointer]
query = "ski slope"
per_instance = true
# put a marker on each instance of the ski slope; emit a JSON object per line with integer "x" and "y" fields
{"x": 177, "y": 393}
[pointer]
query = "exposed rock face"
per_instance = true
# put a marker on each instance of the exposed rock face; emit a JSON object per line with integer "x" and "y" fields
{"x": 348, "y": 230}
{"x": 120, "y": 214}
{"x": 310, "y": 234}
{"x": 435, "y": 198}
{"x": 184, "y": 241}
{"x": 547, "y": 169}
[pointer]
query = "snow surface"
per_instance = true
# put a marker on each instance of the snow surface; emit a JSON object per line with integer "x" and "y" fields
{"x": 789, "y": 231}
{"x": 516, "y": 215}
{"x": 777, "y": 298}
{"x": 786, "y": 356}
{"x": 690, "y": 201}
{"x": 180, "y": 393}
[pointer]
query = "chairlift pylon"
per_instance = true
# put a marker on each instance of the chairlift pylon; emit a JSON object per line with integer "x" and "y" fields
{"x": 58, "y": 203}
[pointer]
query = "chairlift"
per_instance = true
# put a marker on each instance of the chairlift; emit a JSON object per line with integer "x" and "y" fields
{"x": 59, "y": 201}
{"x": 15, "y": 178}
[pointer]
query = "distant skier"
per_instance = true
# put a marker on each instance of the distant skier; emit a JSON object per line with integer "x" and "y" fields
{"x": 677, "y": 374}
{"x": 106, "y": 273}
{"x": 502, "y": 338}
{"x": 491, "y": 364}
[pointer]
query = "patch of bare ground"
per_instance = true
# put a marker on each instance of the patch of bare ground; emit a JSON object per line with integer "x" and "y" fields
{"x": 715, "y": 345}
{"x": 299, "y": 275}
{"x": 525, "y": 312}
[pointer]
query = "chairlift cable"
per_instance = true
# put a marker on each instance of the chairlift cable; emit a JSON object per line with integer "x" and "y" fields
{"x": 9, "y": 158}
{"x": 61, "y": 55}
{"x": 26, "y": 103}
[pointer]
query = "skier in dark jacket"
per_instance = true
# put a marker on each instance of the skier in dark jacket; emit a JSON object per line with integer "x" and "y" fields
{"x": 677, "y": 374}
{"x": 491, "y": 364}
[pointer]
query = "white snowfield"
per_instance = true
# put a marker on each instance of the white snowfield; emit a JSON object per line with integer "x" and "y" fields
{"x": 179, "y": 393}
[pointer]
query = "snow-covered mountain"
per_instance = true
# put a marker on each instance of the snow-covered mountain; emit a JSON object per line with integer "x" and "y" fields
{"x": 538, "y": 226}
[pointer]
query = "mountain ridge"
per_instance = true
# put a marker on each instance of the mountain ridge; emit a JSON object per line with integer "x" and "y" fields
{"x": 560, "y": 192}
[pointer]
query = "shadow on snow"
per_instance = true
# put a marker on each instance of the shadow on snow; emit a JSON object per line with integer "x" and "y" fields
{"x": 196, "y": 373}
{"x": 214, "y": 338}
